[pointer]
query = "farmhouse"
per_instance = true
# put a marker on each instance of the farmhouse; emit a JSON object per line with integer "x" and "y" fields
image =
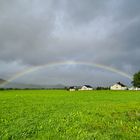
{"x": 118, "y": 86}
{"x": 86, "y": 87}
{"x": 73, "y": 88}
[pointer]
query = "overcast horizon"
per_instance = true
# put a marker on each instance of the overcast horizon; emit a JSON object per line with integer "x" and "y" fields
{"x": 34, "y": 33}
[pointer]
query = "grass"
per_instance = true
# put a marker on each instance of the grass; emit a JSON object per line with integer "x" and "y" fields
{"x": 64, "y": 115}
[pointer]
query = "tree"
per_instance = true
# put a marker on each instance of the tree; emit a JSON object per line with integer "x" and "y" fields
{"x": 136, "y": 80}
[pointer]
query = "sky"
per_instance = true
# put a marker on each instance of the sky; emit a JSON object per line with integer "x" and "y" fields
{"x": 41, "y": 32}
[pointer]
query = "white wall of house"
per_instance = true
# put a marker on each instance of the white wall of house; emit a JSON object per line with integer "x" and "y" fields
{"x": 137, "y": 88}
{"x": 71, "y": 89}
{"x": 134, "y": 88}
{"x": 118, "y": 87}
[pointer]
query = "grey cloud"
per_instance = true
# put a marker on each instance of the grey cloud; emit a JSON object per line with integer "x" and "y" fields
{"x": 128, "y": 9}
{"x": 40, "y": 32}
{"x": 83, "y": 11}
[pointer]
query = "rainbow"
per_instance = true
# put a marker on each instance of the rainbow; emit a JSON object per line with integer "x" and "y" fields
{"x": 61, "y": 63}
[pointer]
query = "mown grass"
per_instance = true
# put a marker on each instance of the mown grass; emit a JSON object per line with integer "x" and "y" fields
{"x": 64, "y": 115}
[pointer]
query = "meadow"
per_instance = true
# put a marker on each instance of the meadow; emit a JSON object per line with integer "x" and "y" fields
{"x": 64, "y": 115}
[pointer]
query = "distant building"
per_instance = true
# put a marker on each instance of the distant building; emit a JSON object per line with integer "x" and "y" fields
{"x": 73, "y": 88}
{"x": 86, "y": 87}
{"x": 118, "y": 86}
{"x": 134, "y": 88}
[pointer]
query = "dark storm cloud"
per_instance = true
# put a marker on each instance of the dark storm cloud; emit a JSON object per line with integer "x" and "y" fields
{"x": 39, "y": 32}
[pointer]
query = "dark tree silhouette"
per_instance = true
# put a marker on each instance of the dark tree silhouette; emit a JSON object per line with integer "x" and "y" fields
{"x": 136, "y": 80}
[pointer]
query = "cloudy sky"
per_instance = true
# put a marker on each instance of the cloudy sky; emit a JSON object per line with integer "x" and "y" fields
{"x": 40, "y": 32}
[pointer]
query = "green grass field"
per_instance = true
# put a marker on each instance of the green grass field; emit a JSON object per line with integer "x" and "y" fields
{"x": 64, "y": 115}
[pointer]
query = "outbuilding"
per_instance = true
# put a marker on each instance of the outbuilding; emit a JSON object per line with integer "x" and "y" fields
{"x": 73, "y": 88}
{"x": 134, "y": 88}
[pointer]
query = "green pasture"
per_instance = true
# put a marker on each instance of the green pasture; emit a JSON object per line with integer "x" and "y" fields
{"x": 64, "y": 115}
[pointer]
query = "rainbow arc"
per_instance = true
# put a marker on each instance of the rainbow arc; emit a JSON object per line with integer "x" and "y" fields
{"x": 61, "y": 63}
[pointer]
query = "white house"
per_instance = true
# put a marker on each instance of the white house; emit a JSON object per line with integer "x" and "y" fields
{"x": 118, "y": 86}
{"x": 86, "y": 87}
